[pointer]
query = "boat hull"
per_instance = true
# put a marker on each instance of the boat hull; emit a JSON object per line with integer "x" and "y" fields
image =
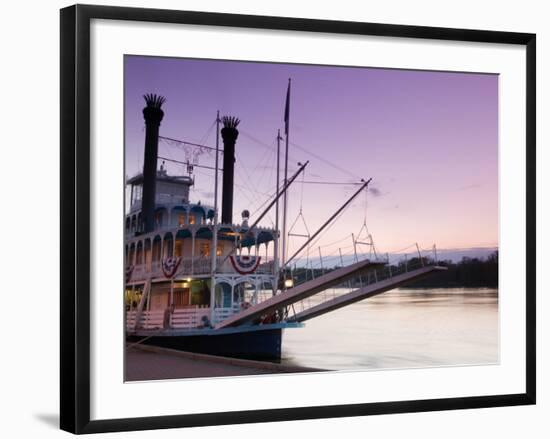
{"x": 264, "y": 344}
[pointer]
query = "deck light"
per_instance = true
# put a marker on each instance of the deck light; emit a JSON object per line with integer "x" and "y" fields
{"x": 289, "y": 283}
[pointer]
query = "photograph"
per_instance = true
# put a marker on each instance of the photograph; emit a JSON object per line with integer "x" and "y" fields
{"x": 301, "y": 218}
{"x": 267, "y": 219}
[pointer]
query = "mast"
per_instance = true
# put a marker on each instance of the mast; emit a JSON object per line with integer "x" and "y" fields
{"x": 215, "y": 219}
{"x": 285, "y": 199}
{"x": 268, "y": 208}
{"x": 276, "y": 247}
{"x": 327, "y": 222}
{"x": 285, "y": 187}
{"x": 215, "y": 225}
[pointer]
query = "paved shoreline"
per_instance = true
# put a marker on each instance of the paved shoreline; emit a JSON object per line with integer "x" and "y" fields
{"x": 144, "y": 363}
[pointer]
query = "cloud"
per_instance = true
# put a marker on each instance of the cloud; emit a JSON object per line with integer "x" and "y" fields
{"x": 470, "y": 186}
{"x": 375, "y": 192}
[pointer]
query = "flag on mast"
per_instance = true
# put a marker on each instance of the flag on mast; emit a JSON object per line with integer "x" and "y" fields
{"x": 287, "y": 107}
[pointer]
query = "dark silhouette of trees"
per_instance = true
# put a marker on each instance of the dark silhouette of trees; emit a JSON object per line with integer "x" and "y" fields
{"x": 467, "y": 273}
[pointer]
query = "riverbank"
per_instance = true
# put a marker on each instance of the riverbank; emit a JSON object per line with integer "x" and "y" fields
{"x": 144, "y": 363}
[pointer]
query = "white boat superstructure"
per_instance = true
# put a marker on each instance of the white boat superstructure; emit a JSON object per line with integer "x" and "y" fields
{"x": 171, "y": 270}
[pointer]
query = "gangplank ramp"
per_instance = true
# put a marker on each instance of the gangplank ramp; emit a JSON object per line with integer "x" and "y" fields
{"x": 300, "y": 292}
{"x": 364, "y": 293}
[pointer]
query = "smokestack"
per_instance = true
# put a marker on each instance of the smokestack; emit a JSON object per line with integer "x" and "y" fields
{"x": 229, "y": 136}
{"x": 153, "y": 115}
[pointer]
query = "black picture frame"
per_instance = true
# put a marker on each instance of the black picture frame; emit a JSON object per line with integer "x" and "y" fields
{"x": 75, "y": 217}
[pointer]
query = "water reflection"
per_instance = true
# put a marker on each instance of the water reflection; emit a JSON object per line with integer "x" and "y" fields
{"x": 400, "y": 329}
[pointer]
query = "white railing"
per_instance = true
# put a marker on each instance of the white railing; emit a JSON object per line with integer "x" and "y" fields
{"x": 193, "y": 266}
{"x": 221, "y": 314}
{"x": 131, "y": 319}
{"x": 202, "y": 265}
{"x": 156, "y": 268}
{"x": 147, "y": 320}
{"x": 266, "y": 268}
{"x": 227, "y": 268}
{"x": 140, "y": 272}
{"x": 183, "y": 318}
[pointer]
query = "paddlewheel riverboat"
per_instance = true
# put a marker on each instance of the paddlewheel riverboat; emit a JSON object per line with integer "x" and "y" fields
{"x": 197, "y": 283}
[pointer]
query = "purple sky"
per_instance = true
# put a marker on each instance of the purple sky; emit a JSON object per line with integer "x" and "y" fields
{"x": 429, "y": 140}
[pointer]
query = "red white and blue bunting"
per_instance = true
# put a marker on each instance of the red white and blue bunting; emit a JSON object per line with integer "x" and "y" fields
{"x": 170, "y": 265}
{"x": 245, "y": 264}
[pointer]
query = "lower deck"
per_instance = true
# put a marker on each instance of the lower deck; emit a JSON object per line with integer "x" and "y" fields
{"x": 257, "y": 342}
{"x": 186, "y": 318}
{"x": 191, "y": 303}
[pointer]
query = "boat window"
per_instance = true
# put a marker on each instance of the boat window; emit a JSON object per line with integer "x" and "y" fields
{"x": 156, "y": 250}
{"x": 204, "y": 249}
{"x": 168, "y": 246}
{"x": 158, "y": 219}
{"x": 139, "y": 254}
{"x": 178, "y": 248}
{"x": 223, "y": 295}
{"x": 182, "y": 298}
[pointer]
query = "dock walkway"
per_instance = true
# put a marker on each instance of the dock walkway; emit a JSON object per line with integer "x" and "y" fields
{"x": 365, "y": 292}
{"x": 301, "y": 292}
{"x": 144, "y": 363}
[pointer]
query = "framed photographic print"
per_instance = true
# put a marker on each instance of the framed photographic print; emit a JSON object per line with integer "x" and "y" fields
{"x": 268, "y": 218}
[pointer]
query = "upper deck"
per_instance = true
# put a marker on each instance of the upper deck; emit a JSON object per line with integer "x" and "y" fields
{"x": 172, "y": 205}
{"x": 185, "y": 230}
{"x": 192, "y": 245}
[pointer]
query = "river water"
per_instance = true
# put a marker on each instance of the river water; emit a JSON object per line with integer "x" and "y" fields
{"x": 401, "y": 329}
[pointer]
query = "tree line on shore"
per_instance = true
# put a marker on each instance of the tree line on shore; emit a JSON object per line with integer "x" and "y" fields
{"x": 466, "y": 273}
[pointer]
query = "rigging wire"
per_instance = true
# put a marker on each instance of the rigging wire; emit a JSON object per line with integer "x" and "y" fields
{"x": 174, "y": 142}
{"x": 302, "y": 148}
{"x": 243, "y": 174}
{"x": 328, "y": 227}
{"x": 247, "y": 179}
{"x": 327, "y": 162}
{"x": 248, "y": 187}
{"x": 254, "y": 193}
{"x": 205, "y": 137}
{"x": 245, "y": 169}
{"x": 264, "y": 144}
{"x": 333, "y": 183}
{"x": 336, "y": 242}
{"x": 267, "y": 159}
{"x": 300, "y": 215}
